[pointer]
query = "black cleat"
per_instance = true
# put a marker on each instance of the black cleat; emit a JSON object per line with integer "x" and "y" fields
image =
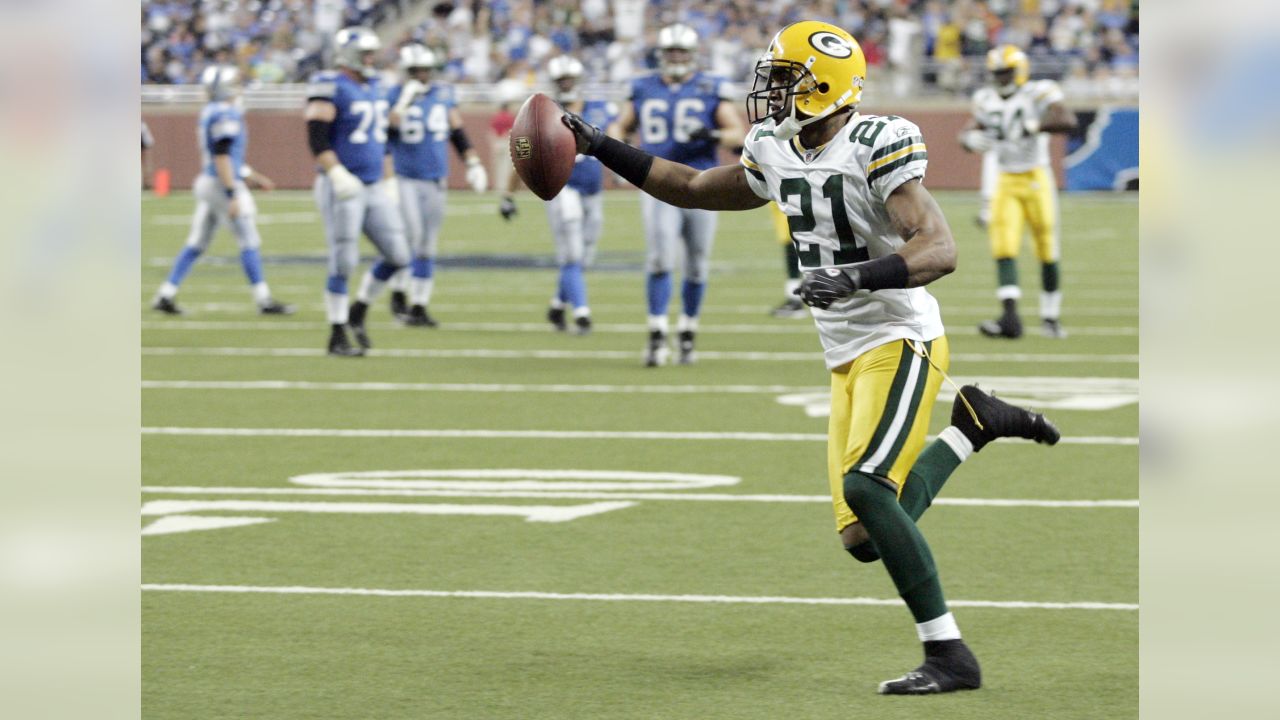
{"x": 999, "y": 419}
{"x": 687, "y": 355}
{"x": 1008, "y": 326}
{"x": 167, "y": 306}
{"x": 582, "y": 325}
{"x": 656, "y": 352}
{"x": 1052, "y": 328}
{"x": 274, "y": 307}
{"x": 790, "y": 308}
{"x": 948, "y": 666}
{"x": 419, "y": 317}
{"x": 555, "y": 316}
{"x": 339, "y": 346}
{"x": 400, "y": 305}
{"x": 355, "y": 319}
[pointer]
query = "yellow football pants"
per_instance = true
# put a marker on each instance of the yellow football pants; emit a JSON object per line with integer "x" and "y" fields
{"x": 880, "y": 408}
{"x": 1027, "y": 199}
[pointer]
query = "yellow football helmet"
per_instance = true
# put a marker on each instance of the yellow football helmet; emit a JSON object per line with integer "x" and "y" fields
{"x": 1009, "y": 68}
{"x": 816, "y": 65}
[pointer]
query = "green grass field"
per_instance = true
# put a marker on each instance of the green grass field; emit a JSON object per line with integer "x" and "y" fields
{"x": 694, "y": 573}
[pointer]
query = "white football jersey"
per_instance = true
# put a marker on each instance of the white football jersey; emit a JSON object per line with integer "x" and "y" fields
{"x": 833, "y": 197}
{"x": 1016, "y": 150}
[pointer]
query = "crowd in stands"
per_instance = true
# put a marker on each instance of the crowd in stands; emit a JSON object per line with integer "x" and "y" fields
{"x": 919, "y": 45}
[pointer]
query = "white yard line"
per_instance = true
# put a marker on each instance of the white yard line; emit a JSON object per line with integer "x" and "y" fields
{"x": 319, "y": 325}
{"x": 621, "y": 597}
{"x": 544, "y": 434}
{"x": 583, "y": 495}
{"x": 492, "y": 354}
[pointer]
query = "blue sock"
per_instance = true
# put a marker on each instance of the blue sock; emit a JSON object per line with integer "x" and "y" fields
{"x": 423, "y": 267}
{"x": 691, "y": 294}
{"x": 383, "y": 270}
{"x": 659, "y": 292}
{"x": 337, "y": 285}
{"x": 573, "y": 289}
{"x": 252, "y": 263}
{"x": 183, "y": 264}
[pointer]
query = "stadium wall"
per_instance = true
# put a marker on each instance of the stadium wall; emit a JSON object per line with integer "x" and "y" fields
{"x": 278, "y": 147}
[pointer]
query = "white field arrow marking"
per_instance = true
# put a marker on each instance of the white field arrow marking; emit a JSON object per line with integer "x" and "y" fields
{"x": 188, "y": 523}
{"x": 531, "y": 513}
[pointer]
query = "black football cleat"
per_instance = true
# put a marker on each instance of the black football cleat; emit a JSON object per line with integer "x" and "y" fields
{"x": 419, "y": 317}
{"x": 555, "y": 316}
{"x": 656, "y": 352}
{"x": 1008, "y": 326}
{"x": 167, "y": 306}
{"x": 999, "y": 419}
{"x": 339, "y": 346}
{"x": 1052, "y": 328}
{"x": 948, "y": 666}
{"x": 400, "y": 305}
{"x": 274, "y": 307}
{"x": 582, "y": 325}
{"x": 355, "y": 319}
{"x": 687, "y": 355}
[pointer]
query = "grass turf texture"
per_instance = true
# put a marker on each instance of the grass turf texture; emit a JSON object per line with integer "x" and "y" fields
{"x": 212, "y": 655}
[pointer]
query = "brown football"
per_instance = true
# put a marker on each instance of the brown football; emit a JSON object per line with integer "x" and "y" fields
{"x": 542, "y": 148}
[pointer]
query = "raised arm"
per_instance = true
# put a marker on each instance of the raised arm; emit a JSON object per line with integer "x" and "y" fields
{"x": 1058, "y": 118}
{"x": 719, "y": 188}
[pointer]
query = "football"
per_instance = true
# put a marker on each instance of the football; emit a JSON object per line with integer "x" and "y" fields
{"x": 542, "y": 148}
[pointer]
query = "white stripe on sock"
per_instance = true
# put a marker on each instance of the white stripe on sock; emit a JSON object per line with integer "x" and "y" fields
{"x": 942, "y": 627}
{"x": 956, "y": 440}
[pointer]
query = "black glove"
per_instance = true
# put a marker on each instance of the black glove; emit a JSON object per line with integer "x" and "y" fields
{"x": 702, "y": 132}
{"x": 507, "y": 208}
{"x": 590, "y": 137}
{"x": 821, "y": 288}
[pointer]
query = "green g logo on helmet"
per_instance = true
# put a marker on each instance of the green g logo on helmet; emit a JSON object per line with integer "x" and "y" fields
{"x": 828, "y": 43}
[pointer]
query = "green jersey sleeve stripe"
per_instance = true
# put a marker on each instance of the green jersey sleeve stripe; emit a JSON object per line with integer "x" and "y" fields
{"x": 886, "y": 169}
{"x": 890, "y": 149}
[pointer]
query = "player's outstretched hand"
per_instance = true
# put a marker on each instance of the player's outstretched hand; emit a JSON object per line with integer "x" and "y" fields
{"x": 702, "y": 132}
{"x": 507, "y": 208}
{"x": 589, "y": 137}
{"x": 477, "y": 178}
{"x": 820, "y": 289}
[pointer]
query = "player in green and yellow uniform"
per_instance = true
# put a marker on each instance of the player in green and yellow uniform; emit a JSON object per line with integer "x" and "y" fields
{"x": 1014, "y": 116}
{"x": 868, "y": 237}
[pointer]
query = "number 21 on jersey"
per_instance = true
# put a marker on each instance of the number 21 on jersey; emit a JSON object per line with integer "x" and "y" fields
{"x": 834, "y": 224}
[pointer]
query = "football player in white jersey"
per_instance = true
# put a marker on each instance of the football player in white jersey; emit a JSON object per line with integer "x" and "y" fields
{"x": 869, "y": 237}
{"x": 1014, "y": 116}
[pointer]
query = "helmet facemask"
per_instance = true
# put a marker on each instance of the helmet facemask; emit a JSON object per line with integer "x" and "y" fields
{"x": 1003, "y": 81}
{"x": 777, "y": 86}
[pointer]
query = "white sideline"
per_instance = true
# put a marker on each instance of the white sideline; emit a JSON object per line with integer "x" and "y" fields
{"x": 548, "y": 434}
{"x": 634, "y": 356}
{"x": 319, "y": 325}
{"x": 620, "y": 597}
{"x": 584, "y": 495}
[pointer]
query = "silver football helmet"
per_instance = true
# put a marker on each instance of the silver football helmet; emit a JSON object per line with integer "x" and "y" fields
{"x": 221, "y": 82}
{"x": 565, "y": 71}
{"x": 353, "y": 47}
{"x": 676, "y": 47}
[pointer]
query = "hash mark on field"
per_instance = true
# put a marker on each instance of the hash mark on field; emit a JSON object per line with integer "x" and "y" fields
{"x": 548, "y": 434}
{"x": 491, "y": 354}
{"x": 619, "y": 597}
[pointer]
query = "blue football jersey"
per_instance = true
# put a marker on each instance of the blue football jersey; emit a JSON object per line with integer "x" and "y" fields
{"x": 666, "y": 114}
{"x": 359, "y": 131}
{"x": 421, "y": 149}
{"x": 588, "y": 173}
{"x": 222, "y": 121}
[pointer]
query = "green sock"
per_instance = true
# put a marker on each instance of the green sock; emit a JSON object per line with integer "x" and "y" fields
{"x": 792, "y": 259}
{"x": 1006, "y": 272}
{"x": 1049, "y": 277}
{"x": 896, "y": 538}
{"x": 931, "y": 471}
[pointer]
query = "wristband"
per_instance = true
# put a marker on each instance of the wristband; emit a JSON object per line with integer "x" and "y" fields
{"x": 883, "y": 273}
{"x": 461, "y": 144}
{"x": 632, "y": 163}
